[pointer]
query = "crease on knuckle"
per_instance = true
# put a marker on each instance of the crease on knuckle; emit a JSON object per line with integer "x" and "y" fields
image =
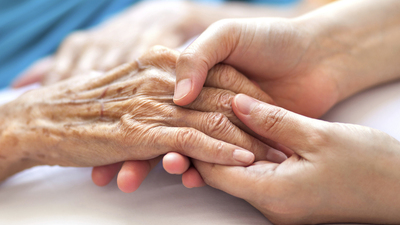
{"x": 217, "y": 123}
{"x": 185, "y": 139}
{"x": 273, "y": 120}
{"x": 224, "y": 102}
{"x": 226, "y": 76}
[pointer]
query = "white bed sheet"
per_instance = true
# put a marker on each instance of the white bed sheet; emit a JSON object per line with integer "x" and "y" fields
{"x": 54, "y": 195}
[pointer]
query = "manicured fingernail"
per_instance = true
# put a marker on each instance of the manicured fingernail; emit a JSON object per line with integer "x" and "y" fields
{"x": 276, "y": 156}
{"x": 245, "y": 103}
{"x": 243, "y": 156}
{"x": 182, "y": 88}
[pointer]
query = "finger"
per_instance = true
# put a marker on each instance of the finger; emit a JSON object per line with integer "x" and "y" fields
{"x": 195, "y": 144}
{"x": 218, "y": 126}
{"x": 133, "y": 173}
{"x": 277, "y": 124}
{"x": 236, "y": 180}
{"x": 66, "y": 57}
{"x": 226, "y": 77}
{"x": 88, "y": 59}
{"x": 110, "y": 59}
{"x": 213, "y": 46}
{"x": 192, "y": 178}
{"x": 212, "y": 100}
{"x": 102, "y": 175}
{"x": 35, "y": 73}
{"x": 175, "y": 163}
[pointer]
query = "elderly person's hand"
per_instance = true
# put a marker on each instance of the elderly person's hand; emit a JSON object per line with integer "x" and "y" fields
{"x": 212, "y": 100}
{"x": 125, "y": 114}
{"x": 338, "y": 172}
{"x": 128, "y": 35}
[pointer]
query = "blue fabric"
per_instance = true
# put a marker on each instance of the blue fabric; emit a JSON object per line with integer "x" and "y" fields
{"x": 32, "y": 29}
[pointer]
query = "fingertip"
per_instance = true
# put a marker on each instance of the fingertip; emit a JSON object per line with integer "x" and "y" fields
{"x": 175, "y": 163}
{"x": 102, "y": 175}
{"x": 131, "y": 175}
{"x": 192, "y": 178}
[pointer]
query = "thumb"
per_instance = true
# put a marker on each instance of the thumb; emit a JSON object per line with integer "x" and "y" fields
{"x": 277, "y": 124}
{"x": 237, "y": 180}
{"x": 213, "y": 46}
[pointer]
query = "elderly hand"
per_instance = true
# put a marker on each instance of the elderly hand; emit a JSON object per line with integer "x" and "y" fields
{"x": 132, "y": 173}
{"x": 127, "y": 36}
{"x": 122, "y": 39}
{"x": 338, "y": 172}
{"x": 125, "y": 114}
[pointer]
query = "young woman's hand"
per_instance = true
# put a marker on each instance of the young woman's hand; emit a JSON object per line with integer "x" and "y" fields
{"x": 338, "y": 172}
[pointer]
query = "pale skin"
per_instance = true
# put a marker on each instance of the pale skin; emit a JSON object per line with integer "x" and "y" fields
{"x": 125, "y": 114}
{"x": 338, "y": 172}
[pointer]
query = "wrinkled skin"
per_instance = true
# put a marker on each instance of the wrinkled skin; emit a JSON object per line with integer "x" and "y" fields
{"x": 125, "y": 114}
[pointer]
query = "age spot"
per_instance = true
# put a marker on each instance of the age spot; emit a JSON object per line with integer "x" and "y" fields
{"x": 119, "y": 90}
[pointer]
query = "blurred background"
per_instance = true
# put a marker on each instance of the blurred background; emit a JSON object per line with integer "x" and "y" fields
{"x": 33, "y": 29}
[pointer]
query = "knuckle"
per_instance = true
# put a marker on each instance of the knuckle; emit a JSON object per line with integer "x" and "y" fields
{"x": 226, "y": 77}
{"x": 217, "y": 122}
{"x": 222, "y": 75}
{"x": 185, "y": 138}
{"x": 224, "y": 103}
{"x": 272, "y": 120}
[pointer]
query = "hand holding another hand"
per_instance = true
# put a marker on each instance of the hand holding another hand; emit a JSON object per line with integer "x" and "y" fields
{"x": 338, "y": 172}
{"x": 124, "y": 114}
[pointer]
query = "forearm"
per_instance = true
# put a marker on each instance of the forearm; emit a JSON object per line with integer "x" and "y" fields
{"x": 359, "y": 40}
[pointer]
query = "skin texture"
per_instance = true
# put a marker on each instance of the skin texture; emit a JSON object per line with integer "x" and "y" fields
{"x": 222, "y": 77}
{"x": 306, "y": 64}
{"x": 125, "y": 114}
{"x": 338, "y": 172}
{"x": 128, "y": 35}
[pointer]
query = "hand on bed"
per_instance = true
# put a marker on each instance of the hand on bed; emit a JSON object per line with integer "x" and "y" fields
{"x": 338, "y": 173}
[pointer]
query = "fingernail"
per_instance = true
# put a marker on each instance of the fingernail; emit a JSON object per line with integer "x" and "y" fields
{"x": 276, "y": 156}
{"x": 243, "y": 156}
{"x": 245, "y": 103}
{"x": 182, "y": 88}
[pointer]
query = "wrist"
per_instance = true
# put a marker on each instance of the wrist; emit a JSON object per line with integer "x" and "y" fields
{"x": 14, "y": 154}
{"x": 356, "y": 42}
